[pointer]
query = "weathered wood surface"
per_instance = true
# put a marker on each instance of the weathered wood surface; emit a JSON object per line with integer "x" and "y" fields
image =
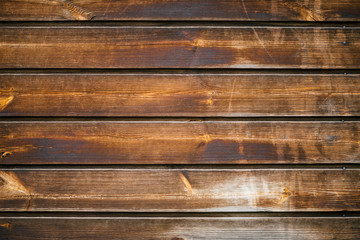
{"x": 172, "y": 190}
{"x": 178, "y": 142}
{"x": 179, "y": 47}
{"x": 187, "y": 94}
{"x": 236, "y": 10}
{"x": 180, "y": 228}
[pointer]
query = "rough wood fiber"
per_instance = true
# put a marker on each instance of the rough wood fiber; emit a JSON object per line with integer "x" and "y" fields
{"x": 235, "y": 10}
{"x": 188, "y": 94}
{"x": 172, "y": 190}
{"x": 180, "y": 228}
{"x": 178, "y": 142}
{"x": 179, "y": 47}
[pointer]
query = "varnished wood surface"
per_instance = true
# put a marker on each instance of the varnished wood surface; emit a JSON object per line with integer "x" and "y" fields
{"x": 79, "y": 168}
{"x": 178, "y": 142}
{"x": 238, "y": 10}
{"x": 187, "y": 94}
{"x": 180, "y": 228}
{"x": 172, "y": 190}
{"x": 179, "y": 46}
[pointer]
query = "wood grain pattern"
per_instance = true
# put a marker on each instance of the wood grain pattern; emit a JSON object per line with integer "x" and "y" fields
{"x": 178, "y": 168}
{"x": 165, "y": 190}
{"x": 236, "y": 10}
{"x": 180, "y": 228}
{"x": 205, "y": 94}
{"x": 179, "y": 47}
{"x": 178, "y": 142}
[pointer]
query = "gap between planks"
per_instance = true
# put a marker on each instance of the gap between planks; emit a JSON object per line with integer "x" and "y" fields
{"x": 177, "y": 71}
{"x": 131, "y": 215}
{"x": 181, "y": 167}
{"x": 176, "y": 24}
{"x": 30, "y": 119}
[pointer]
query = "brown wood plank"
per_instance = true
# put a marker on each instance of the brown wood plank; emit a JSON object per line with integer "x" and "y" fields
{"x": 172, "y": 190}
{"x": 179, "y": 47}
{"x": 205, "y": 94}
{"x": 180, "y": 228}
{"x": 178, "y": 142}
{"x": 244, "y": 10}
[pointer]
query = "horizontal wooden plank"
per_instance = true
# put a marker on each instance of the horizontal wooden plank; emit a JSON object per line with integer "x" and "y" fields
{"x": 189, "y": 95}
{"x": 172, "y": 190}
{"x": 178, "y": 142}
{"x": 180, "y": 228}
{"x": 179, "y": 47}
{"x": 244, "y": 10}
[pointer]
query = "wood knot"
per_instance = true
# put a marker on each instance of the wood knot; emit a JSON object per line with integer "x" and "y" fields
{"x": 77, "y": 12}
{"x": 210, "y": 101}
{"x": 5, "y": 154}
{"x": 5, "y": 101}
{"x": 207, "y": 138}
{"x": 7, "y": 226}
{"x": 12, "y": 186}
{"x": 285, "y": 194}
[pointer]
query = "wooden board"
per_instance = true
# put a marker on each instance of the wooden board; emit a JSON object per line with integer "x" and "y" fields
{"x": 177, "y": 119}
{"x": 178, "y": 46}
{"x": 179, "y": 228}
{"x": 186, "y": 94}
{"x": 178, "y": 142}
{"x": 173, "y": 190}
{"x": 244, "y": 10}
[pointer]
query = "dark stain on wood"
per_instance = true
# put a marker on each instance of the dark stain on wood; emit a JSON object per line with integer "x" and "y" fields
{"x": 237, "y": 151}
{"x": 213, "y": 142}
{"x": 287, "y": 153}
{"x": 259, "y": 150}
{"x": 217, "y": 149}
{"x": 301, "y": 153}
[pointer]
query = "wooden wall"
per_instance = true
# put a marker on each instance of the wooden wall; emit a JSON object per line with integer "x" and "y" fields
{"x": 189, "y": 119}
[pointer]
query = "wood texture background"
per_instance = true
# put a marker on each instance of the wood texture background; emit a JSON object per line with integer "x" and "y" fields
{"x": 244, "y": 10}
{"x": 161, "y": 190}
{"x": 162, "y": 119}
{"x": 179, "y": 142}
{"x": 181, "y": 228}
{"x": 179, "y": 94}
{"x": 179, "y": 46}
